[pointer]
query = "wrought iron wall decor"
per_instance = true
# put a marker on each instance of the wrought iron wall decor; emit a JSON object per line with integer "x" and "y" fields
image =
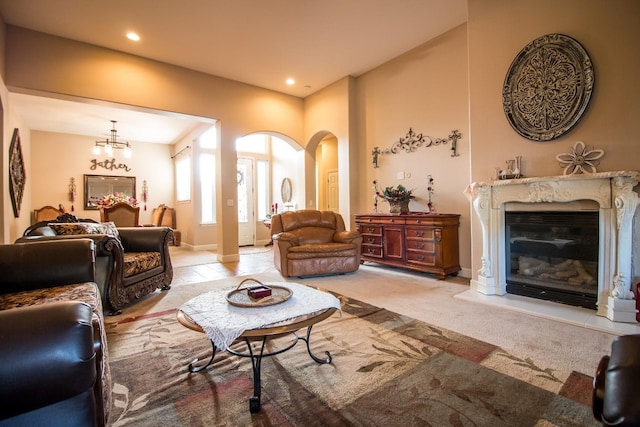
{"x": 412, "y": 141}
{"x": 548, "y": 87}
{"x": 16, "y": 173}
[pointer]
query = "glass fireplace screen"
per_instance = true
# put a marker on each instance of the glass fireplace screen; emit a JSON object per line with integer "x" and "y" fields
{"x": 553, "y": 256}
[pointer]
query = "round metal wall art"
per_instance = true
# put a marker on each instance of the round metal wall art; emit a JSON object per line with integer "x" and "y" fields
{"x": 548, "y": 87}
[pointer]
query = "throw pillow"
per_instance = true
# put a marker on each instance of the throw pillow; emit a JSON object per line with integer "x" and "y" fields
{"x": 110, "y": 229}
{"x": 78, "y": 228}
{"x": 75, "y": 228}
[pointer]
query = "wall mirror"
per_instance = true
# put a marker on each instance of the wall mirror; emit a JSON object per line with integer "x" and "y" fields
{"x": 285, "y": 190}
{"x": 96, "y": 187}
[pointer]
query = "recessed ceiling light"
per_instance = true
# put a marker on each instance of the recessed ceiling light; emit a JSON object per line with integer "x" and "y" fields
{"x": 133, "y": 36}
{"x": 290, "y": 81}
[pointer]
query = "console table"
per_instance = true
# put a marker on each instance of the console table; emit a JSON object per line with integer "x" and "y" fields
{"x": 416, "y": 241}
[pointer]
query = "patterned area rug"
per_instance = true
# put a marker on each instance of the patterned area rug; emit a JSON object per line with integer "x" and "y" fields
{"x": 387, "y": 370}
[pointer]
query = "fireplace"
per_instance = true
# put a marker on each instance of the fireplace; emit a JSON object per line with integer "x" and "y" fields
{"x": 608, "y": 202}
{"x": 553, "y": 256}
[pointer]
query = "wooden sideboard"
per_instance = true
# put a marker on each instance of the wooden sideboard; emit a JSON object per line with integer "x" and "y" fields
{"x": 417, "y": 241}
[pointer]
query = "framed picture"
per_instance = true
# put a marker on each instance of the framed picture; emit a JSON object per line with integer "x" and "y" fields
{"x": 16, "y": 173}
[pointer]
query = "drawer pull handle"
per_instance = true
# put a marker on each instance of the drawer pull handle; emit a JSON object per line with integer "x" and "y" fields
{"x": 420, "y": 233}
{"x": 370, "y": 250}
{"x": 371, "y": 240}
{"x": 371, "y": 230}
{"x": 420, "y": 246}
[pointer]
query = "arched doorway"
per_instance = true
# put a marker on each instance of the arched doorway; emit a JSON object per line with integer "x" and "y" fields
{"x": 265, "y": 160}
{"x": 327, "y": 174}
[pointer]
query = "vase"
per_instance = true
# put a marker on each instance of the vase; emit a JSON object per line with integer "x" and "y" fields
{"x": 401, "y": 207}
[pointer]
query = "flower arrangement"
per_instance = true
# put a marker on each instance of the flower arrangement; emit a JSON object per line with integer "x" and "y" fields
{"x": 396, "y": 195}
{"x": 113, "y": 198}
{"x": 390, "y": 194}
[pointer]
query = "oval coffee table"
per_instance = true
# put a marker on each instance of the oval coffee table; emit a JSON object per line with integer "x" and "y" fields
{"x": 272, "y": 331}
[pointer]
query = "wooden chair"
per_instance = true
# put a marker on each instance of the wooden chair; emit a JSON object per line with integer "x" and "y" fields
{"x": 164, "y": 216}
{"x": 122, "y": 214}
{"x": 156, "y": 216}
{"x": 47, "y": 213}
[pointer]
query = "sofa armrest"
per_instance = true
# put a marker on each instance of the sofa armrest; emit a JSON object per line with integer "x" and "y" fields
{"x": 350, "y": 236}
{"x": 145, "y": 239}
{"x": 286, "y": 237}
{"x": 103, "y": 242}
{"x": 47, "y": 356}
{"x": 45, "y": 264}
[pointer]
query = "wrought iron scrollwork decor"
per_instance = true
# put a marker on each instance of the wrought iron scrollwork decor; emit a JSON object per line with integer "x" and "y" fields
{"x": 412, "y": 141}
{"x": 548, "y": 87}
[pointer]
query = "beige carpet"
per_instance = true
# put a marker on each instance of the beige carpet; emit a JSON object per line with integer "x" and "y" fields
{"x": 572, "y": 348}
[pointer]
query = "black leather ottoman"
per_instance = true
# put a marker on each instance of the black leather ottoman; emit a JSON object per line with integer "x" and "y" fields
{"x": 616, "y": 386}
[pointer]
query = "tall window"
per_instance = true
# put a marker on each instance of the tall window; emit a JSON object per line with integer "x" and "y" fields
{"x": 263, "y": 188}
{"x": 183, "y": 179}
{"x": 208, "y": 142}
{"x": 208, "y": 188}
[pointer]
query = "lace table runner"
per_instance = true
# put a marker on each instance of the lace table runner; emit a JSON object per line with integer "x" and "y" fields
{"x": 224, "y": 322}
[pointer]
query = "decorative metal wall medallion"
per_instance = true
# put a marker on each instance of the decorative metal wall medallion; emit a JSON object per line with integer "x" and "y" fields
{"x": 16, "y": 173}
{"x": 548, "y": 87}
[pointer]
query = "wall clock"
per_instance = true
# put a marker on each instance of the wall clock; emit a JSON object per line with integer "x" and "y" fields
{"x": 548, "y": 87}
{"x": 16, "y": 173}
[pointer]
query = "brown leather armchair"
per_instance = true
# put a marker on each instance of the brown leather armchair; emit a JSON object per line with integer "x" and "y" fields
{"x": 312, "y": 243}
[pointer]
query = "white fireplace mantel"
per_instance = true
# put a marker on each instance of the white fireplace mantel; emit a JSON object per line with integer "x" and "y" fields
{"x": 617, "y": 203}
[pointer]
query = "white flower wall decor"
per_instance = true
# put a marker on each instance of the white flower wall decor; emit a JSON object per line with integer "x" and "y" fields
{"x": 580, "y": 159}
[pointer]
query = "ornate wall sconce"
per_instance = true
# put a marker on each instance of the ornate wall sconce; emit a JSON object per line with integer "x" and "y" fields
{"x": 454, "y": 137}
{"x": 145, "y": 193}
{"x": 72, "y": 192}
{"x": 375, "y": 153}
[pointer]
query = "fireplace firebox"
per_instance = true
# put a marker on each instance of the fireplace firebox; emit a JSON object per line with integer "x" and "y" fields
{"x": 553, "y": 255}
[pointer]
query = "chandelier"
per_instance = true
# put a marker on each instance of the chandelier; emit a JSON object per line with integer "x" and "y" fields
{"x": 112, "y": 143}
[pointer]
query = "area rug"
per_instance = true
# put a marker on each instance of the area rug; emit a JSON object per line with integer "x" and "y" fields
{"x": 387, "y": 370}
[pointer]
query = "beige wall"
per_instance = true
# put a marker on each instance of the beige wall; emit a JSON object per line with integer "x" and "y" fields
{"x": 452, "y": 82}
{"x": 330, "y": 111}
{"x": 44, "y": 64}
{"x": 425, "y": 90}
{"x": 56, "y": 158}
{"x": 608, "y": 30}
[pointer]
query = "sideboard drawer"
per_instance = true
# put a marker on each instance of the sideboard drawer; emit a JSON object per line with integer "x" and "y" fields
{"x": 370, "y": 229}
{"x": 372, "y": 251}
{"x": 418, "y": 257}
{"x": 371, "y": 240}
{"x": 420, "y": 232}
{"x": 421, "y": 245}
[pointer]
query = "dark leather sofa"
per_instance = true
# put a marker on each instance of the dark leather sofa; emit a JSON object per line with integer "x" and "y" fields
{"x": 129, "y": 265}
{"x": 47, "y": 365}
{"x": 53, "y": 351}
{"x": 616, "y": 399}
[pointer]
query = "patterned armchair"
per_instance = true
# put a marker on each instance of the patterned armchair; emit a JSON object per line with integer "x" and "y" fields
{"x": 131, "y": 262}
